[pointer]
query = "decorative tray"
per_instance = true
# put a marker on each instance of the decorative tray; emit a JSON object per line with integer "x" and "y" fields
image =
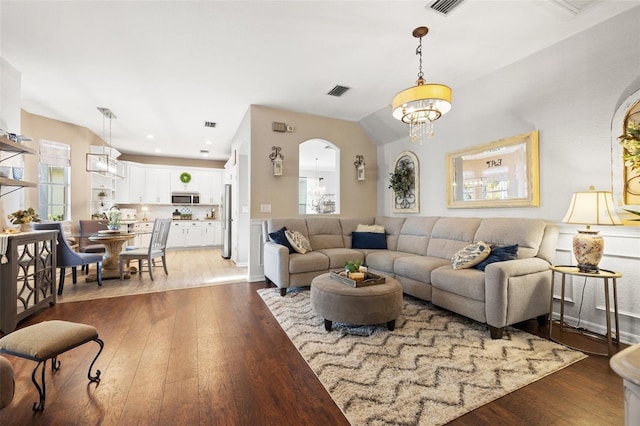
{"x": 369, "y": 279}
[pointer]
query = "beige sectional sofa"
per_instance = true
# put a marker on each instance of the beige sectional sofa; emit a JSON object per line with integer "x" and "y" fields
{"x": 418, "y": 254}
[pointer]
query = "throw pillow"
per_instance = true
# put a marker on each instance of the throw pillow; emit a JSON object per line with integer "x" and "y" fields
{"x": 499, "y": 254}
{"x": 368, "y": 240}
{"x": 370, "y": 228}
{"x": 470, "y": 256}
{"x": 279, "y": 237}
{"x": 298, "y": 241}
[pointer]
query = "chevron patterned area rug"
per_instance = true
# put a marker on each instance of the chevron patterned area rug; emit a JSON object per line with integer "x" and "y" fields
{"x": 434, "y": 367}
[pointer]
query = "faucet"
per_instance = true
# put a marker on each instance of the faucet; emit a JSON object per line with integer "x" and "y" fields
{"x": 114, "y": 207}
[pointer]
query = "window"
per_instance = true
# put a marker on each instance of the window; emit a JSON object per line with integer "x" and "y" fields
{"x": 54, "y": 181}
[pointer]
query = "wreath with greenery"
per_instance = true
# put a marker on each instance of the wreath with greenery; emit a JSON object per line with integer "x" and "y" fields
{"x": 185, "y": 177}
{"x": 401, "y": 180}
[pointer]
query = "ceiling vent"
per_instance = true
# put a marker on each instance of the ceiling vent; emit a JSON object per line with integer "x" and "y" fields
{"x": 338, "y": 90}
{"x": 444, "y": 7}
{"x": 204, "y": 151}
{"x": 209, "y": 124}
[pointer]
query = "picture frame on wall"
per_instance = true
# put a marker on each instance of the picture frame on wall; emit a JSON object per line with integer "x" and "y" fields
{"x": 405, "y": 197}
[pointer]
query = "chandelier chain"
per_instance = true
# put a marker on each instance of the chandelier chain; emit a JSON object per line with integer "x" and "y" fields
{"x": 419, "y": 53}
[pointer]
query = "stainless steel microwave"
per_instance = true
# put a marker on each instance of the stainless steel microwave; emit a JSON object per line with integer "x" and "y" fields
{"x": 185, "y": 198}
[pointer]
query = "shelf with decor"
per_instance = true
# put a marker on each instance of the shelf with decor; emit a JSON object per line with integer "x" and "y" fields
{"x": 7, "y": 145}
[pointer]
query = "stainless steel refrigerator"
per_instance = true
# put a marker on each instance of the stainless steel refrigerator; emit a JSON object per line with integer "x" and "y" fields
{"x": 226, "y": 222}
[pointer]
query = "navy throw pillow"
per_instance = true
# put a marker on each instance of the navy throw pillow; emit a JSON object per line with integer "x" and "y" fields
{"x": 369, "y": 240}
{"x": 499, "y": 254}
{"x": 279, "y": 237}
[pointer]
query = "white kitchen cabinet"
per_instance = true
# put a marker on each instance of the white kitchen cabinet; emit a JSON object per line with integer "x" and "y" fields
{"x": 196, "y": 233}
{"x": 209, "y": 233}
{"x": 157, "y": 187}
{"x": 178, "y": 186}
{"x": 122, "y": 187}
{"x": 137, "y": 184}
{"x": 103, "y": 192}
{"x": 143, "y": 232}
{"x": 210, "y": 184}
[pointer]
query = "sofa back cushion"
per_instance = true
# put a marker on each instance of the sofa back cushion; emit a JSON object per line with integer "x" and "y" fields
{"x": 451, "y": 234}
{"x": 503, "y": 231}
{"x": 294, "y": 224}
{"x": 415, "y": 234}
{"x": 325, "y": 233}
{"x": 349, "y": 225}
{"x": 392, "y": 226}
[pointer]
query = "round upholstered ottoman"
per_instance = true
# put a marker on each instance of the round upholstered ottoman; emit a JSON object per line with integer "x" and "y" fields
{"x": 375, "y": 304}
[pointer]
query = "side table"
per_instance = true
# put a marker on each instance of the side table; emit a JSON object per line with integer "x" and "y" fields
{"x": 603, "y": 274}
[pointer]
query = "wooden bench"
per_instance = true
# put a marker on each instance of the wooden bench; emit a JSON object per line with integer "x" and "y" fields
{"x": 46, "y": 340}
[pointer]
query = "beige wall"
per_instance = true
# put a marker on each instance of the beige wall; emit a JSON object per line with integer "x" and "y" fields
{"x": 79, "y": 138}
{"x": 357, "y": 198}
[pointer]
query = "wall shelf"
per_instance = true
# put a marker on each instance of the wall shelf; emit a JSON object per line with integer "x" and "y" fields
{"x": 8, "y": 145}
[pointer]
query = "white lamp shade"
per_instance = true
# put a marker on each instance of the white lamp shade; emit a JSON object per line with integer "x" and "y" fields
{"x": 592, "y": 208}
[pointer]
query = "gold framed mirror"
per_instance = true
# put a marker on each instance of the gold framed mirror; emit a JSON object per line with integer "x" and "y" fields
{"x": 504, "y": 173}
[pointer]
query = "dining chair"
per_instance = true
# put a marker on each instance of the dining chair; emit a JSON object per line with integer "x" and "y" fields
{"x": 67, "y": 257}
{"x": 157, "y": 248}
{"x": 88, "y": 227}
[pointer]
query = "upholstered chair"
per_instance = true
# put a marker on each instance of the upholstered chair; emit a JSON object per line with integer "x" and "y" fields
{"x": 67, "y": 257}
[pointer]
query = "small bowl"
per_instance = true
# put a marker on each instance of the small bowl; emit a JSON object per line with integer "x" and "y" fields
{"x": 5, "y": 171}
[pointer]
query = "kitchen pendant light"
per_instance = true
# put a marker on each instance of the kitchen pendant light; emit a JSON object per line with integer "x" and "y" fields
{"x": 105, "y": 163}
{"x": 419, "y": 106}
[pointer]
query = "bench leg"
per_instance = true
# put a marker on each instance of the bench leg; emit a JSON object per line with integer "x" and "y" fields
{"x": 96, "y": 378}
{"x": 55, "y": 365}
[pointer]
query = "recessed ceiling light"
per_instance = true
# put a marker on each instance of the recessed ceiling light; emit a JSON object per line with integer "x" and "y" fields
{"x": 207, "y": 142}
{"x": 158, "y": 150}
{"x": 149, "y": 136}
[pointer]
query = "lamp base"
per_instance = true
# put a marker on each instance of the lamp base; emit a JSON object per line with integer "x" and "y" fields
{"x": 588, "y": 246}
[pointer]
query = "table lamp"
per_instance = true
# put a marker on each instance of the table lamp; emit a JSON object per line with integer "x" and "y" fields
{"x": 590, "y": 208}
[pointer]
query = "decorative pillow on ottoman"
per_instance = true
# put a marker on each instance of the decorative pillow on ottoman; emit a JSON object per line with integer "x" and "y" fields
{"x": 279, "y": 237}
{"x": 471, "y": 255}
{"x": 298, "y": 241}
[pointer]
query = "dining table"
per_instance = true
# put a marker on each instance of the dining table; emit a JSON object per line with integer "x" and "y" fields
{"x": 113, "y": 242}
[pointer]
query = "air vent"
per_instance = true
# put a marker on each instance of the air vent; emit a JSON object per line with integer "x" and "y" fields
{"x": 209, "y": 124}
{"x": 338, "y": 90}
{"x": 204, "y": 151}
{"x": 444, "y": 7}
{"x": 278, "y": 127}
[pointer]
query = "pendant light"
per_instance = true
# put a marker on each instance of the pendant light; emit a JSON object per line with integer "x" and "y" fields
{"x": 419, "y": 106}
{"x": 106, "y": 163}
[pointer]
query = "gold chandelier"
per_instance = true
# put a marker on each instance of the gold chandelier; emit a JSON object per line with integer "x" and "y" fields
{"x": 419, "y": 106}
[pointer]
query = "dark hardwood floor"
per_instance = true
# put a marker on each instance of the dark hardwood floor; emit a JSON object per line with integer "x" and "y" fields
{"x": 216, "y": 355}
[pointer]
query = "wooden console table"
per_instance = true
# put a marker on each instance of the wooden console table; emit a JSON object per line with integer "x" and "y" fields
{"x": 27, "y": 276}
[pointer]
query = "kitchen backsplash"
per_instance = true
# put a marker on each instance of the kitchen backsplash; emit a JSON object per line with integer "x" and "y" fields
{"x": 153, "y": 212}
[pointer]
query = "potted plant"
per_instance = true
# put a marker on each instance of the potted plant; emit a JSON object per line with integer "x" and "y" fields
{"x": 102, "y": 194}
{"x": 24, "y": 218}
{"x": 630, "y": 141}
{"x": 401, "y": 180}
{"x": 114, "y": 220}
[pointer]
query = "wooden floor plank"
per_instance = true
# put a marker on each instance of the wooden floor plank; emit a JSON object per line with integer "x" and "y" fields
{"x": 215, "y": 355}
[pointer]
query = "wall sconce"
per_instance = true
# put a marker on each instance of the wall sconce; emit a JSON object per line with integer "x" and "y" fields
{"x": 276, "y": 159}
{"x": 359, "y": 163}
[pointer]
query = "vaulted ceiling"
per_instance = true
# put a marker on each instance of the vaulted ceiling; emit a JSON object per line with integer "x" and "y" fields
{"x": 166, "y": 67}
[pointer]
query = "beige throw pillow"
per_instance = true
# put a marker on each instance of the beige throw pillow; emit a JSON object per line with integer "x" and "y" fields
{"x": 378, "y": 229}
{"x": 471, "y": 255}
{"x": 298, "y": 241}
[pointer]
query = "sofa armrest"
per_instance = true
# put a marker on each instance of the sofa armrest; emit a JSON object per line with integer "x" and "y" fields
{"x": 516, "y": 290}
{"x": 276, "y": 264}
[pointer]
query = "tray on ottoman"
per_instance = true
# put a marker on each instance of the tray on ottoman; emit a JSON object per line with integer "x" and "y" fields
{"x": 369, "y": 279}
